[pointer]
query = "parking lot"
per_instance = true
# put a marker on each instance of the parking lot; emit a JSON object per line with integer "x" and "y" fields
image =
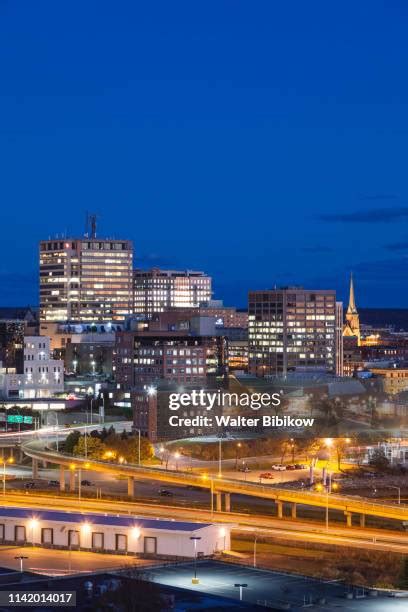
{"x": 273, "y": 588}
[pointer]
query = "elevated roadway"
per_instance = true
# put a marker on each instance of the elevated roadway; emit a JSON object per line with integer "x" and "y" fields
{"x": 219, "y": 487}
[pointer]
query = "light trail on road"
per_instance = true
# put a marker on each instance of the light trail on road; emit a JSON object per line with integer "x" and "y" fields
{"x": 355, "y": 537}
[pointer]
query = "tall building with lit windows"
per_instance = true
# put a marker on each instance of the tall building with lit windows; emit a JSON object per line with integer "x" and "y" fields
{"x": 85, "y": 279}
{"x": 158, "y": 290}
{"x": 291, "y": 329}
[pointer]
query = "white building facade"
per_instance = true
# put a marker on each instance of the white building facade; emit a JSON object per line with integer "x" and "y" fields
{"x": 115, "y": 534}
{"x": 43, "y": 376}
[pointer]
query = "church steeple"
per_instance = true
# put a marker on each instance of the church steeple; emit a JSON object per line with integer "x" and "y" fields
{"x": 352, "y": 302}
{"x": 352, "y": 324}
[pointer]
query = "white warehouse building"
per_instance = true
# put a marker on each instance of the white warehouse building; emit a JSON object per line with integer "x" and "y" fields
{"x": 111, "y": 533}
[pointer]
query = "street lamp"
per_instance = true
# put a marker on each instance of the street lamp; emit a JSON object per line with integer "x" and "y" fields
{"x": 195, "y": 540}
{"x": 240, "y": 586}
{"x": 9, "y": 460}
{"x": 138, "y": 446}
{"x": 220, "y": 458}
{"x": 399, "y": 491}
{"x": 161, "y": 451}
{"x": 21, "y": 559}
{"x": 236, "y": 455}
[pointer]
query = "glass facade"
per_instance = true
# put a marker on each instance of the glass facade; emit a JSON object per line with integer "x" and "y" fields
{"x": 291, "y": 329}
{"x": 158, "y": 290}
{"x": 87, "y": 280}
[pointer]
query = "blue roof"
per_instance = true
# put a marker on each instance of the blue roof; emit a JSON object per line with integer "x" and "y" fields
{"x": 99, "y": 519}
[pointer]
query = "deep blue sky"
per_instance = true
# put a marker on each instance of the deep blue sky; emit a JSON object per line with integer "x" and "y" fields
{"x": 263, "y": 142}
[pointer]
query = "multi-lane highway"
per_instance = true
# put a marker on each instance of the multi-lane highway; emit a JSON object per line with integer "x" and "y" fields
{"x": 376, "y": 539}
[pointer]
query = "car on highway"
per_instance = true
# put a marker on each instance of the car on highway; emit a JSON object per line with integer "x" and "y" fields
{"x": 53, "y": 483}
{"x": 29, "y": 485}
{"x": 86, "y": 483}
{"x": 244, "y": 468}
{"x": 301, "y": 466}
{"x": 166, "y": 493}
{"x": 279, "y": 467}
{"x": 291, "y": 466}
{"x": 266, "y": 475}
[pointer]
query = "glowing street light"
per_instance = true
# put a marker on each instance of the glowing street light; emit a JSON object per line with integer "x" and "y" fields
{"x": 195, "y": 540}
{"x": 33, "y": 523}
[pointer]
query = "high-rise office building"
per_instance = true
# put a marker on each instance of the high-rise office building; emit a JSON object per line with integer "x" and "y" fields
{"x": 158, "y": 290}
{"x": 291, "y": 329}
{"x": 339, "y": 340}
{"x": 86, "y": 279}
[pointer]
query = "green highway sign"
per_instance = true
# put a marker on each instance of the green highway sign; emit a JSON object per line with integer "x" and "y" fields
{"x": 19, "y": 418}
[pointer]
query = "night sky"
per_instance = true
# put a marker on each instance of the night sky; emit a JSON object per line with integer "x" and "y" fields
{"x": 263, "y": 142}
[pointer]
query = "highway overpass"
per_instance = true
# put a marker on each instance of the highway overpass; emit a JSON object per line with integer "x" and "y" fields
{"x": 220, "y": 487}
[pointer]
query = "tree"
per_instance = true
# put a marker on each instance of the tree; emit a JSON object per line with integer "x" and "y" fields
{"x": 71, "y": 441}
{"x": 379, "y": 460}
{"x": 340, "y": 445}
{"x": 128, "y": 448}
{"x": 95, "y": 448}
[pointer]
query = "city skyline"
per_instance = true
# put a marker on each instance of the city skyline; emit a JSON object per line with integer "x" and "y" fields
{"x": 265, "y": 142}
{"x": 30, "y": 283}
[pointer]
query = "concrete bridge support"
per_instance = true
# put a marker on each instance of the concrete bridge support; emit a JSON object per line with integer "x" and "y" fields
{"x": 131, "y": 486}
{"x": 227, "y": 498}
{"x": 72, "y": 481}
{"x": 349, "y": 518}
{"x": 35, "y": 468}
{"x": 218, "y": 498}
{"x": 362, "y": 520}
{"x": 279, "y": 506}
{"x": 293, "y": 511}
{"x": 62, "y": 478}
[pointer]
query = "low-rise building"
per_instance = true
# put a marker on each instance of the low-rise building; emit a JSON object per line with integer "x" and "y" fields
{"x": 42, "y": 376}
{"x": 113, "y": 534}
{"x": 142, "y": 358}
{"x": 394, "y": 379}
{"x": 395, "y": 451}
